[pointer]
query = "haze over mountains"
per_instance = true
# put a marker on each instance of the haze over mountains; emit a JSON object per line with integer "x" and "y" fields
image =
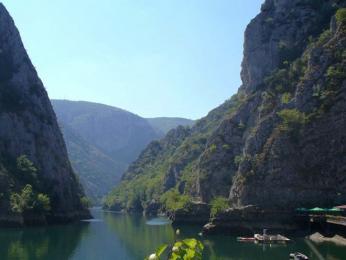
{"x": 102, "y": 140}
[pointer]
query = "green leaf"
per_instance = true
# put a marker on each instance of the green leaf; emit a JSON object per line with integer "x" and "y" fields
{"x": 191, "y": 243}
{"x": 161, "y": 249}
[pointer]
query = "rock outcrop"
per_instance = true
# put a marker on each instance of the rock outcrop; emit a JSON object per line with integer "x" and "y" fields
{"x": 279, "y": 143}
{"x": 32, "y": 149}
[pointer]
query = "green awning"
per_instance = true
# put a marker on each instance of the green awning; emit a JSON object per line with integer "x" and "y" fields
{"x": 317, "y": 209}
{"x": 302, "y": 209}
{"x": 334, "y": 210}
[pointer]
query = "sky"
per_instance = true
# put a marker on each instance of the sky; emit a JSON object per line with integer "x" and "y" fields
{"x": 151, "y": 57}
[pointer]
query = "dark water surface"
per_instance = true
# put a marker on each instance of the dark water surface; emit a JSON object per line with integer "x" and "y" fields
{"x": 116, "y": 236}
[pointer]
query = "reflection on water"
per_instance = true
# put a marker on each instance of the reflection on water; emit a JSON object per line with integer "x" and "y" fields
{"x": 125, "y": 237}
{"x": 160, "y": 221}
{"x": 56, "y": 242}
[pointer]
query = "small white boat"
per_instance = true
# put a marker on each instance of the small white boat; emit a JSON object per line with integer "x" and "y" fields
{"x": 298, "y": 256}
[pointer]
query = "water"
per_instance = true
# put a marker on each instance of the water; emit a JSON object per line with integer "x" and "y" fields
{"x": 124, "y": 237}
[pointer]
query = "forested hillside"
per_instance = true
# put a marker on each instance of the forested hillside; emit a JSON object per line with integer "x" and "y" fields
{"x": 103, "y": 140}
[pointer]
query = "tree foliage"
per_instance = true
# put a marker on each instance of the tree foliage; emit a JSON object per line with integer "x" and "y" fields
{"x": 187, "y": 249}
{"x": 292, "y": 118}
{"x": 173, "y": 200}
{"x": 42, "y": 202}
{"x": 22, "y": 201}
{"x": 341, "y": 15}
{"x": 27, "y": 200}
{"x": 218, "y": 205}
{"x": 26, "y": 169}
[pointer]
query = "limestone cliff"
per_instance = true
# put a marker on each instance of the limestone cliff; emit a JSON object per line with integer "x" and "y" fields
{"x": 279, "y": 143}
{"x": 32, "y": 150}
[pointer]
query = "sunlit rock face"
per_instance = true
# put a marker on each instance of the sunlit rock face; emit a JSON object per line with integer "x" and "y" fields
{"x": 279, "y": 143}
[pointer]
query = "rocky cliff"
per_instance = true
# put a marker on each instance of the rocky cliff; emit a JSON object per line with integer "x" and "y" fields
{"x": 279, "y": 143}
{"x": 36, "y": 178}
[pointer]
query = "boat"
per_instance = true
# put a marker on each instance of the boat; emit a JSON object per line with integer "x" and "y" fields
{"x": 246, "y": 239}
{"x": 264, "y": 238}
{"x": 271, "y": 238}
{"x": 298, "y": 256}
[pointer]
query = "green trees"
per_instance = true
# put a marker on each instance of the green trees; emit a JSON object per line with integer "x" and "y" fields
{"x": 42, "y": 202}
{"x": 173, "y": 200}
{"x": 238, "y": 159}
{"x": 23, "y": 201}
{"x": 187, "y": 249}
{"x": 292, "y": 118}
{"x": 341, "y": 15}
{"x": 26, "y": 170}
{"x": 27, "y": 200}
{"x": 23, "y": 192}
{"x": 217, "y": 205}
{"x": 85, "y": 201}
{"x": 286, "y": 98}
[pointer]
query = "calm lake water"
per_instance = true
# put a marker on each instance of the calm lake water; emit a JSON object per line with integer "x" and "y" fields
{"x": 124, "y": 237}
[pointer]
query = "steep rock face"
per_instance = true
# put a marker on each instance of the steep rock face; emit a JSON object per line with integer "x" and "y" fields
{"x": 279, "y": 143}
{"x": 168, "y": 164}
{"x": 304, "y": 166}
{"x": 281, "y": 166}
{"x": 28, "y": 127}
{"x": 280, "y": 33}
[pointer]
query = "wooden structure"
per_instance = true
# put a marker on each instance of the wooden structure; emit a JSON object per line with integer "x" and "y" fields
{"x": 271, "y": 238}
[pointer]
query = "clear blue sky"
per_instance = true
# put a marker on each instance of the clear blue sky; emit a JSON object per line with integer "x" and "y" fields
{"x": 151, "y": 57}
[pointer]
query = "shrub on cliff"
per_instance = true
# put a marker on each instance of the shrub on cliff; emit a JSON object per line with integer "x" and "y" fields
{"x": 26, "y": 169}
{"x": 27, "y": 200}
{"x": 292, "y": 118}
{"x": 341, "y": 15}
{"x": 42, "y": 202}
{"x": 22, "y": 201}
{"x": 218, "y": 205}
{"x": 173, "y": 200}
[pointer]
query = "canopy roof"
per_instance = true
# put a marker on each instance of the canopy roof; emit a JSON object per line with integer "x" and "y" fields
{"x": 317, "y": 209}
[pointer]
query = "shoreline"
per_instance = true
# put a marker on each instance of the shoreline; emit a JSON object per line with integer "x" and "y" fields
{"x": 20, "y": 221}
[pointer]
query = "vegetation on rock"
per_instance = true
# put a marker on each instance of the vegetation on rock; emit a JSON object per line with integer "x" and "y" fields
{"x": 218, "y": 205}
{"x": 293, "y": 86}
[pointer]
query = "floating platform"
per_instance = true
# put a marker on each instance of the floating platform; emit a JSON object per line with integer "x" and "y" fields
{"x": 271, "y": 238}
{"x": 264, "y": 238}
{"x": 246, "y": 239}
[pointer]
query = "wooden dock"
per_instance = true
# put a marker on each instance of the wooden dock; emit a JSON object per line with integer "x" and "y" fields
{"x": 331, "y": 219}
{"x": 336, "y": 220}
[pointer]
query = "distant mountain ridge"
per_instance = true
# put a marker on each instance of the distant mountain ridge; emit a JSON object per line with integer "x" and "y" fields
{"x": 164, "y": 124}
{"x": 102, "y": 140}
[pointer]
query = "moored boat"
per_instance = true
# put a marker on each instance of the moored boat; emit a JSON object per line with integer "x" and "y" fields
{"x": 246, "y": 239}
{"x": 298, "y": 256}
